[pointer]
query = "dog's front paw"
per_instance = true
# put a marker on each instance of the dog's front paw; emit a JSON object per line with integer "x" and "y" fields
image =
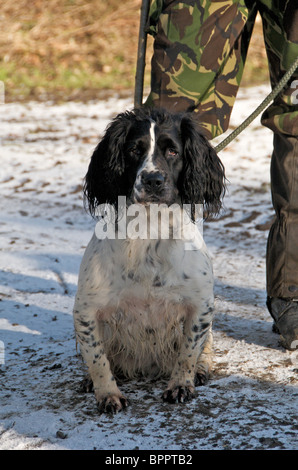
{"x": 179, "y": 394}
{"x": 112, "y": 403}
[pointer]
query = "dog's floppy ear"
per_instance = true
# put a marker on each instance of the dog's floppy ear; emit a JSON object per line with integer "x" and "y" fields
{"x": 104, "y": 179}
{"x": 203, "y": 175}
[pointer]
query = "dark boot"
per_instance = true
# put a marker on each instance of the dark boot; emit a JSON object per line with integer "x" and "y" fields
{"x": 285, "y": 315}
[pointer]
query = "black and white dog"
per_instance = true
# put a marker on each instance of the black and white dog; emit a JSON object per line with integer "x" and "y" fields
{"x": 144, "y": 306}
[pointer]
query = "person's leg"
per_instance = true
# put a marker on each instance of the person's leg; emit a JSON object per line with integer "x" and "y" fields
{"x": 199, "y": 53}
{"x": 280, "y": 24}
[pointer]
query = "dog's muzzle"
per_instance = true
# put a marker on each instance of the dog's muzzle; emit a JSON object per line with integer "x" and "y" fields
{"x": 152, "y": 182}
{"x": 149, "y": 187}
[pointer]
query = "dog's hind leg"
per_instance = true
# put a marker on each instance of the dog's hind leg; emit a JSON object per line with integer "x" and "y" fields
{"x": 205, "y": 360}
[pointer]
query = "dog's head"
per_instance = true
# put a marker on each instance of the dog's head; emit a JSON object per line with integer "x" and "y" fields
{"x": 152, "y": 156}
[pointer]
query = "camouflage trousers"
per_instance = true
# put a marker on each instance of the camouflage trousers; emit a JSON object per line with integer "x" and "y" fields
{"x": 200, "y": 48}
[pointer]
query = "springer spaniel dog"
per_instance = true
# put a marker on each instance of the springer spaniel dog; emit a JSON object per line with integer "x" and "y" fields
{"x": 144, "y": 304}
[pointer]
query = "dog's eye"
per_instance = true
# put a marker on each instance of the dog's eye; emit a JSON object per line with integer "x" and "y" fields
{"x": 172, "y": 152}
{"x": 134, "y": 151}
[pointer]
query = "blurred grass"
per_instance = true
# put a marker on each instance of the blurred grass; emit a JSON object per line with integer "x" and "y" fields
{"x": 81, "y": 50}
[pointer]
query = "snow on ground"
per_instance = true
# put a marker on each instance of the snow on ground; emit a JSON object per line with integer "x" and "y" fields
{"x": 251, "y": 400}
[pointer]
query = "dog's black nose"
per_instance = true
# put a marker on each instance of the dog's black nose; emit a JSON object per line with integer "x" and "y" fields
{"x": 152, "y": 181}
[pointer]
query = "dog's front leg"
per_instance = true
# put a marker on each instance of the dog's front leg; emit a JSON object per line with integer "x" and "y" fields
{"x": 194, "y": 358}
{"x": 90, "y": 337}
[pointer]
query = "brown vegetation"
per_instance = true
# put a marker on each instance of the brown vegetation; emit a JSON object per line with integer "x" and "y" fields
{"x": 78, "y": 49}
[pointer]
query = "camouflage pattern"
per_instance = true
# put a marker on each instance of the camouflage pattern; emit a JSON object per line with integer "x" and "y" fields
{"x": 280, "y": 25}
{"x": 200, "y": 48}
